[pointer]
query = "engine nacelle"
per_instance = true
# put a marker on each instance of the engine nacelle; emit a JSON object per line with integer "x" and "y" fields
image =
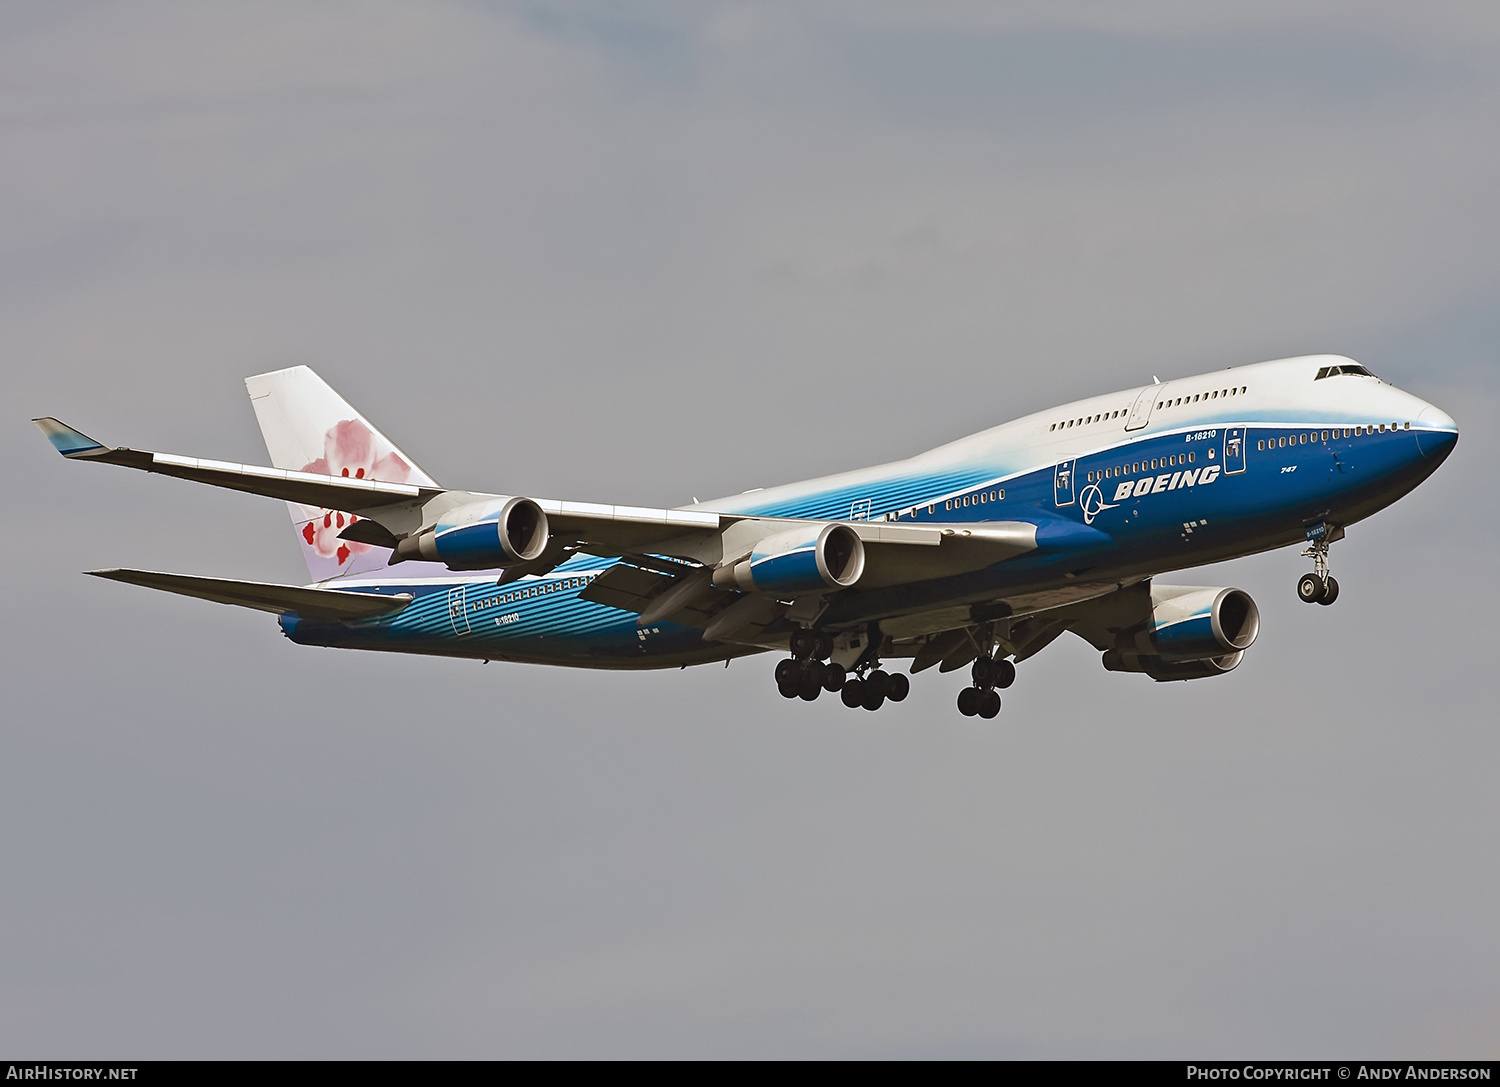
{"x": 1191, "y": 624}
{"x": 811, "y": 559}
{"x": 1192, "y": 633}
{"x": 1165, "y": 671}
{"x": 482, "y": 536}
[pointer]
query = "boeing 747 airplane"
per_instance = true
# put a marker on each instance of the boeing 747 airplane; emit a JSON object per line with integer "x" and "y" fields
{"x": 976, "y": 554}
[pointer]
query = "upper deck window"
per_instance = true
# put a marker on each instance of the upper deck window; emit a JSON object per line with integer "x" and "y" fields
{"x": 1352, "y": 369}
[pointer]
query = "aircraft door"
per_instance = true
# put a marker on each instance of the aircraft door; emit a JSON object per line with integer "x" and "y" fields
{"x": 1140, "y": 411}
{"x": 1234, "y": 450}
{"x": 1062, "y": 483}
{"x": 457, "y": 613}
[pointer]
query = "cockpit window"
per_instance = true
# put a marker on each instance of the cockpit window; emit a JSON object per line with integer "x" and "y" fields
{"x": 1352, "y": 369}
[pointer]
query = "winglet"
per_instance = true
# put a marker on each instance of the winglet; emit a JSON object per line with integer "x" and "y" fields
{"x": 66, "y": 440}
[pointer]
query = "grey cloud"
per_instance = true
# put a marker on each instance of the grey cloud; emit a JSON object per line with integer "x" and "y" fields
{"x": 1040, "y": 78}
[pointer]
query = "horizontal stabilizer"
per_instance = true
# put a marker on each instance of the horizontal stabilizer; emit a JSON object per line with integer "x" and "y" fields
{"x": 308, "y": 603}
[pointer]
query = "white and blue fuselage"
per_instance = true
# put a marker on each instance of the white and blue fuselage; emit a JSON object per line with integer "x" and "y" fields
{"x": 1120, "y": 488}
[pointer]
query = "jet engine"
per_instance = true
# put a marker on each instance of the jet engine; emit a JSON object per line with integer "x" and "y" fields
{"x": 1191, "y": 633}
{"x": 811, "y": 559}
{"x": 481, "y": 536}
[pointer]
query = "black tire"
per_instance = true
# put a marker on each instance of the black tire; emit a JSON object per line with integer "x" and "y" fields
{"x": 874, "y": 698}
{"x": 982, "y": 671}
{"x": 1004, "y": 674}
{"x": 968, "y": 701}
{"x": 834, "y": 678}
{"x": 802, "y": 643}
{"x": 900, "y": 688}
{"x": 822, "y": 646}
{"x": 787, "y": 671}
{"x": 989, "y": 705}
{"x": 812, "y": 671}
{"x": 809, "y": 689}
{"x": 879, "y": 680}
{"x": 853, "y": 693}
{"x": 1309, "y": 588}
{"x": 1330, "y": 591}
{"x": 789, "y": 690}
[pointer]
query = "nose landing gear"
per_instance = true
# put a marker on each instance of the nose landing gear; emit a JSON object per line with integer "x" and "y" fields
{"x": 1313, "y": 589}
{"x": 1319, "y": 587}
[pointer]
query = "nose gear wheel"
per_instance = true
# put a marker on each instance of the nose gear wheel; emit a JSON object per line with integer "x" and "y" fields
{"x": 1318, "y": 587}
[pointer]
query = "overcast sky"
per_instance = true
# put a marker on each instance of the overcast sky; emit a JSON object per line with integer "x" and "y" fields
{"x": 641, "y": 252}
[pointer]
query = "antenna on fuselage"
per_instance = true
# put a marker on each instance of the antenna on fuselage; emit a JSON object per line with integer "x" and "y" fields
{"x": 1155, "y": 380}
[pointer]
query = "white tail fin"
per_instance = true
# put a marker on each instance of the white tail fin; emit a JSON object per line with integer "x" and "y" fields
{"x": 310, "y": 428}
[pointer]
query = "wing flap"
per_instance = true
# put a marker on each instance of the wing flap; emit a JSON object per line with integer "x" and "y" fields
{"x": 261, "y": 596}
{"x": 633, "y": 589}
{"x": 611, "y": 530}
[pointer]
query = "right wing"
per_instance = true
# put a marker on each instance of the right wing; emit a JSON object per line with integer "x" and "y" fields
{"x": 327, "y": 492}
{"x": 403, "y": 509}
{"x": 399, "y": 508}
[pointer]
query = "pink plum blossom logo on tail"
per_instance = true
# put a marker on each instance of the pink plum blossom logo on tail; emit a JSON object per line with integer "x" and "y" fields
{"x": 348, "y": 450}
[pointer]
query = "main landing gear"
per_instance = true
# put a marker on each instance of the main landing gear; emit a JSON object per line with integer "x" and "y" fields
{"x": 809, "y": 672}
{"x": 875, "y": 688}
{"x": 982, "y": 700}
{"x": 1319, "y": 587}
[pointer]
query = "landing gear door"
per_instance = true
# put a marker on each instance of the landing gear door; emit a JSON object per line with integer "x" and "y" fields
{"x": 1234, "y": 450}
{"x": 1140, "y": 411}
{"x": 456, "y": 611}
{"x": 1062, "y": 483}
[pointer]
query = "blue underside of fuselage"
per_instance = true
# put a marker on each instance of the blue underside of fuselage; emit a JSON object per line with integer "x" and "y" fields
{"x": 1264, "y": 494}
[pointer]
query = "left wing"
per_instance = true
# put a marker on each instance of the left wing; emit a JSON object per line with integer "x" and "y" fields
{"x": 281, "y": 599}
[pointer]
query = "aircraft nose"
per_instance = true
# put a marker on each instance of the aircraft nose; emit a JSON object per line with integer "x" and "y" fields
{"x": 1438, "y": 434}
